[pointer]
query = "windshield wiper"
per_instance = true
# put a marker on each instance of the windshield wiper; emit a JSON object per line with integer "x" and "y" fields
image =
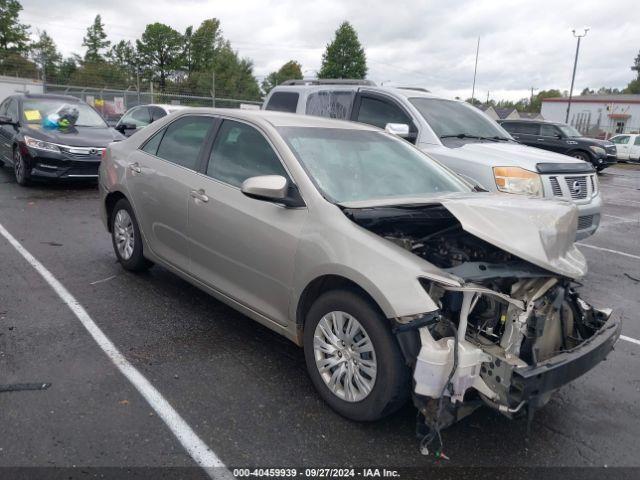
{"x": 476, "y": 137}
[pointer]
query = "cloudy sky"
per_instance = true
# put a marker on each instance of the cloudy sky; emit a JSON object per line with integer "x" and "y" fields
{"x": 423, "y": 43}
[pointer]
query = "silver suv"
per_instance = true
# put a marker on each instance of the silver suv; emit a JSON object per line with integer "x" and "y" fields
{"x": 357, "y": 246}
{"x": 456, "y": 134}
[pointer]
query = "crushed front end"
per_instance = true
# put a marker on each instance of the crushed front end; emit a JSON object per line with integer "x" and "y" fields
{"x": 511, "y": 327}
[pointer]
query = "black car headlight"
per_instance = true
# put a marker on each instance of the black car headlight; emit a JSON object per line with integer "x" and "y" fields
{"x": 41, "y": 145}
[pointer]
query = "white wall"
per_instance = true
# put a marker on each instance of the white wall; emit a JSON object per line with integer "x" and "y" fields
{"x": 11, "y": 85}
{"x": 596, "y": 112}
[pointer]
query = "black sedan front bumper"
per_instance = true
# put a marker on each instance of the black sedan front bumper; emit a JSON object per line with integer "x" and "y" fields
{"x": 51, "y": 165}
{"x": 551, "y": 374}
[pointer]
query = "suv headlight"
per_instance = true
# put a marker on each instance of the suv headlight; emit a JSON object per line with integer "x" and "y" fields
{"x": 517, "y": 180}
{"x": 597, "y": 150}
{"x": 41, "y": 145}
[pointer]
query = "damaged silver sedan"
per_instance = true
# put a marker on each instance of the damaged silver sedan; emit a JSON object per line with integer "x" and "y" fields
{"x": 397, "y": 278}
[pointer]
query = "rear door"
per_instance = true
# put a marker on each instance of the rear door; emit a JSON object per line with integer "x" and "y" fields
{"x": 243, "y": 247}
{"x": 378, "y": 110}
{"x": 160, "y": 177}
{"x": 634, "y": 153}
{"x": 527, "y": 133}
{"x": 550, "y": 138}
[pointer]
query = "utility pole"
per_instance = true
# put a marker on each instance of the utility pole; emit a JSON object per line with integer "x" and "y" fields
{"x": 531, "y": 101}
{"x": 575, "y": 64}
{"x": 475, "y": 71}
{"x": 487, "y": 97}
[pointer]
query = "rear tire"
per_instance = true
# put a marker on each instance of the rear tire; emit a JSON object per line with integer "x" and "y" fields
{"x": 126, "y": 238}
{"x": 365, "y": 376}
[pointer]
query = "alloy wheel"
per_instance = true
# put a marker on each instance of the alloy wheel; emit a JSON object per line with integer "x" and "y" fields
{"x": 345, "y": 356}
{"x": 123, "y": 234}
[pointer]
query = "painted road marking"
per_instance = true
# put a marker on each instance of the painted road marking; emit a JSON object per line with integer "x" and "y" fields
{"x": 637, "y": 257}
{"x": 629, "y": 339}
{"x": 197, "y": 449}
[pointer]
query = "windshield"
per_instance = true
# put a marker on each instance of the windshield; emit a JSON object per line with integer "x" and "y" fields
{"x": 354, "y": 165}
{"x": 448, "y": 118}
{"x": 569, "y": 131}
{"x": 36, "y": 111}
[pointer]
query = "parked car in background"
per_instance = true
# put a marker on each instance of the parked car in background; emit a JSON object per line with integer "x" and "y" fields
{"x": 562, "y": 138}
{"x": 136, "y": 118}
{"x": 380, "y": 262}
{"x": 456, "y": 134}
{"x": 39, "y": 148}
{"x": 627, "y": 146}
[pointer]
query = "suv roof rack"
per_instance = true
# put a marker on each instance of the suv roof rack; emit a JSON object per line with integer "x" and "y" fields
{"x": 417, "y": 89}
{"x": 328, "y": 81}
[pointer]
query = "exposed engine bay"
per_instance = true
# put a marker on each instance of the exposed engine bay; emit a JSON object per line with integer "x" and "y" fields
{"x": 507, "y": 335}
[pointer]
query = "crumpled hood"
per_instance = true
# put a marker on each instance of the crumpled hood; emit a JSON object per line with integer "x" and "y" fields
{"x": 539, "y": 231}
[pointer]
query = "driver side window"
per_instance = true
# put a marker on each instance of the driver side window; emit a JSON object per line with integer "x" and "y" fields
{"x": 378, "y": 113}
{"x": 240, "y": 152}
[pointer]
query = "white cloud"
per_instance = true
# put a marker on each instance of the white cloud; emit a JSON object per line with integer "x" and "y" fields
{"x": 414, "y": 42}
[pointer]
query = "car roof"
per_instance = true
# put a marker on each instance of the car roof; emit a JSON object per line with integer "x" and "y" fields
{"x": 281, "y": 119}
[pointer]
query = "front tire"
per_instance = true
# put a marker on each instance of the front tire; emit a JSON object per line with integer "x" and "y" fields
{"x": 126, "y": 238}
{"x": 20, "y": 168}
{"x": 352, "y": 358}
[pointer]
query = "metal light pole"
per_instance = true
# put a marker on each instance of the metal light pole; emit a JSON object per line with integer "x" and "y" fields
{"x": 475, "y": 70}
{"x": 575, "y": 64}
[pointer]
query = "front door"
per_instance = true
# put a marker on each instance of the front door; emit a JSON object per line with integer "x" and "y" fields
{"x": 8, "y": 108}
{"x": 623, "y": 146}
{"x": 551, "y": 139}
{"x": 160, "y": 177}
{"x": 241, "y": 246}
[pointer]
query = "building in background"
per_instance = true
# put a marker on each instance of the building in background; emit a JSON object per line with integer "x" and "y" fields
{"x": 13, "y": 85}
{"x": 600, "y": 116}
{"x": 508, "y": 113}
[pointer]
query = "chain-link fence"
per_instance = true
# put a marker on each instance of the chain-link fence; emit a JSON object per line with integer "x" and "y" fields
{"x": 112, "y": 103}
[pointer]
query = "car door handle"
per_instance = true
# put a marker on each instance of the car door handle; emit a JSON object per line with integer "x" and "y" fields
{"x": 135, "y": 167}
{"x": 541, "y": 139}
{"x": 199, "y": 195}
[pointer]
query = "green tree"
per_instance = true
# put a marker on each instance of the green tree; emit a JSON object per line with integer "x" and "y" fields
{"x": 98, "y": 74}
{"x": 45, "y": 54}
{"x": 123, "y": 55}
{"x": 160, "y": 50}
{"x": 636, "y": 66}
{"x": 537, "y": 100}
{"x": 187, "y": 50}
{"x": 206, "y": 42}
{"x": 291, "y": 70}
{"x": 67, "y": 68}
{"x": 14, "y": 36}
{"x": 95, "y": 41}
{"x": 344, "y": 56}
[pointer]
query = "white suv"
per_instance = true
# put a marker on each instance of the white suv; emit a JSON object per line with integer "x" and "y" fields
{"x": 455, "y": 133}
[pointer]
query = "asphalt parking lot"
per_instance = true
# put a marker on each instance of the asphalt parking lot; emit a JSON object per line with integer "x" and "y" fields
{"x": 243, "y": 389}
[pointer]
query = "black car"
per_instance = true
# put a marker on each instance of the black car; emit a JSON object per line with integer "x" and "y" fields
{"x": 562, "y": 138}
{"x": 40, "y": 142}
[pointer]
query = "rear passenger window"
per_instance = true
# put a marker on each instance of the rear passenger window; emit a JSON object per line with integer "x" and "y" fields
{"x": 241, "y": 152}
{"x": 548, "y": 131}
{"x": 528, "y": 128}
{"x": 330, "y": 104}
{"x": 379, "y": 112}
{"x": 283, "y": 102}
{"x": 183, "y": 140}
{"x": 637, "y": 142}
{"x": 152, "y": 144}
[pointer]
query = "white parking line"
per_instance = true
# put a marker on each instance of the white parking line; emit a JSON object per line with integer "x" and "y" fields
{"x": 629, "y": 339}
{"x": 624, "y": 254}
{"x": 197, "y": 449}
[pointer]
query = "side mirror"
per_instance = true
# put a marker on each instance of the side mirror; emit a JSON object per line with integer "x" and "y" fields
{"x": 559, "y": 136}
{"x": 125, "y": 126}
{"x": 5, "y": 120}
{"x": 272, "y": 188}
{"x": 399, "y": 129}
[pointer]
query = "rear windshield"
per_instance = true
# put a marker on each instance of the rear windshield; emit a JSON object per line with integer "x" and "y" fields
{"x": 283, "y": 102}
